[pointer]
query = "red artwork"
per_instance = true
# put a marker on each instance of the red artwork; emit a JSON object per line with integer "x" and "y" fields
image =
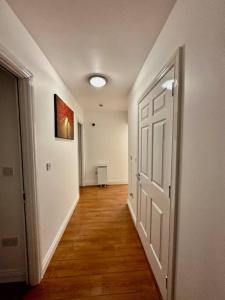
{"x": 64, "y": 120}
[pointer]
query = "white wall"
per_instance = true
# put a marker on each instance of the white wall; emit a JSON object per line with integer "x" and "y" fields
{"x": 106, "y": 143}
{"x": 200, "y": 27}
{"x": 58, "y": 188}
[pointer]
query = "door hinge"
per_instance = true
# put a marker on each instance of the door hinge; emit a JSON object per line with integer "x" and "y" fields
{"x": 138, "y": 176}
{"x": 173, "y": 88}
{"x": 24, "y": 196}
{"x": 166, "y": 282}
{"x": 169, "y": 191}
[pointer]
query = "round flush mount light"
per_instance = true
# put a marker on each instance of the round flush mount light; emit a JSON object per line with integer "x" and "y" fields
{"x": 97, "y": 81}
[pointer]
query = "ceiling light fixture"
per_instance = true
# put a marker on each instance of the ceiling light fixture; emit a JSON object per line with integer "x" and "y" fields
{"x": 97, "y": 81}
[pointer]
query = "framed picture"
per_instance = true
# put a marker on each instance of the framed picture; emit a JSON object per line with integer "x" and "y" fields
{"x": 64, "y": 119}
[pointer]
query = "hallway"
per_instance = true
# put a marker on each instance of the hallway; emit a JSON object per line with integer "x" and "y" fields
{"x": 100, "y": 255}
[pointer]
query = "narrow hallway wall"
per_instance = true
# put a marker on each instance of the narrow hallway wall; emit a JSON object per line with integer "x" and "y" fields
{"x": 199, "y": 26}
{"x": 58, "y": 189}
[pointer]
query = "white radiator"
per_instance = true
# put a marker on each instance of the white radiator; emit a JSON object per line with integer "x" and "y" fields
{"x": 102, "y": 175}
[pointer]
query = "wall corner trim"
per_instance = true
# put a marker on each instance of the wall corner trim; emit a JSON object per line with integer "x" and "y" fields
{"x": 131, "y": 212}
{"x": 57, "y": 238}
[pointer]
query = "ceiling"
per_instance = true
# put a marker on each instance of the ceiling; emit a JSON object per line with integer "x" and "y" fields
{"x": 80, "y": 37}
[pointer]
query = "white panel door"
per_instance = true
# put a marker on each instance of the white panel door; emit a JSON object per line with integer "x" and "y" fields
{"x": 144, "y": 167}
{"x": 155, "y": 152}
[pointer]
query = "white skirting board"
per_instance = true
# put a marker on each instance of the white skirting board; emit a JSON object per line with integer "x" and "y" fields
{"x": 131, "y": 211}
{"x": 121, "y": 181}
{"x": 12, "y": 275}
{"x": 110, "y": 182}
{"x": 57, "y": 239}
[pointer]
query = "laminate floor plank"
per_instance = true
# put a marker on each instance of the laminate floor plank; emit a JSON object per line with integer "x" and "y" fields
{"x": 100, "y": 256}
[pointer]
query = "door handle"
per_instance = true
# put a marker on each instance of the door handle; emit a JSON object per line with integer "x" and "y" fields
{"x": 138, "y": 176}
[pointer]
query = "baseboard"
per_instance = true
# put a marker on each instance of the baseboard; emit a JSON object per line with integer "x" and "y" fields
{"x": 90, "y": 183}
{"x": 121, "y": 181}
{"x": 12, "y": 275}
{"x": 131, "y": 211}
{"x": 57, "y": 239}
{"x": 110, "y": 182}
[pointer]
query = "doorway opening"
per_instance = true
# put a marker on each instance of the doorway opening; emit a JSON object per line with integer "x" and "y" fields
{"x": 18, "y": 168}
{"x": 13, "y": 253}
{"x": 80, "y": 153}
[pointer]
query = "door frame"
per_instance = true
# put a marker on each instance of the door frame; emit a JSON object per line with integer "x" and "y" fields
{"x": 27, "y": 128}
{"x": 176, "y": 62}
{"x": 82, "y": 150}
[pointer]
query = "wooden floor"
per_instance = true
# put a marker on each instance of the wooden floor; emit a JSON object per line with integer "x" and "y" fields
{"x": 100, "y": 255}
